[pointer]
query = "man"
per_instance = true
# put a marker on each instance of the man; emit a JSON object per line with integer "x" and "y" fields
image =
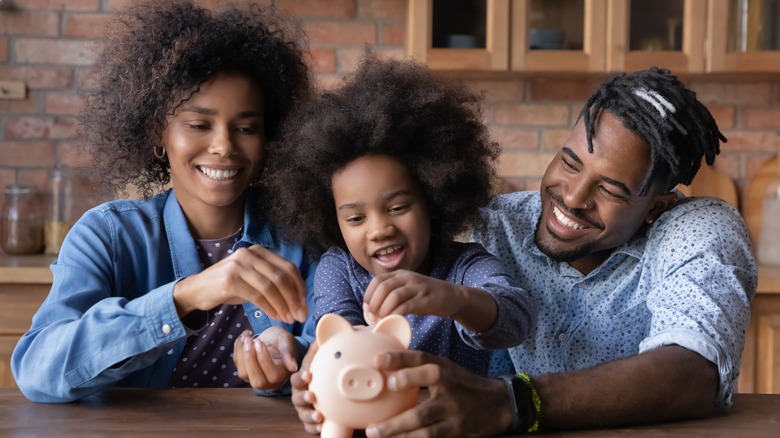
{"x": 643, "y": 295}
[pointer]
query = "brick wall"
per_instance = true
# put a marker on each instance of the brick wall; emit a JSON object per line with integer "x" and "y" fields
{"x": 47, "y": 44}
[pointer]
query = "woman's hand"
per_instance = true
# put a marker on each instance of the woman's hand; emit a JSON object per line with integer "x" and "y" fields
{"x": 302, "y": 398}
{"x": 254, "y": 275}
{"x": 268, "y": 360}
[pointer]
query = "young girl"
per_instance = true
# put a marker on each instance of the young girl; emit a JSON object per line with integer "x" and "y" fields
{"x": 388, "y": 168}
{"x": 149, "y": 293}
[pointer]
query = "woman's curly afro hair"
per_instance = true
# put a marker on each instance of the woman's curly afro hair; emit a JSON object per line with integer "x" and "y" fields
{"x": 393, "y": 108}
{"x": 155, "y": 56}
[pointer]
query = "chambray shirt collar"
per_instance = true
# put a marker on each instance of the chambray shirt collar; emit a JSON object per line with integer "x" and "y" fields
{"x": 185, "y": 260}
{"x": 256, "y": 231}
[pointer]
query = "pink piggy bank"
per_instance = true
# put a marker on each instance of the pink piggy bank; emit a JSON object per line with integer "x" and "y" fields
{"x": 350, "y": 392}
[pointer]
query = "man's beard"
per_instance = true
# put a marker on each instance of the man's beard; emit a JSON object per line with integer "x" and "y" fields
{"x": 559, "y": 256}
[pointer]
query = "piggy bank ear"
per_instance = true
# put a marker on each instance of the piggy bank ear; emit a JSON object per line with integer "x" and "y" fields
{"x": 396, "y": 326}
{"x": 329, "y": 325}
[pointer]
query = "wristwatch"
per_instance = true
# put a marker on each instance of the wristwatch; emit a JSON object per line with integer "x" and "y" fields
{"x": 519, "y": 394}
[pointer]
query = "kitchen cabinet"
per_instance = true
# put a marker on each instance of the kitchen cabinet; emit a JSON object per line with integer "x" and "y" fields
{"x": 581, "y": 30}
{"x": 761, "y": 359}
{"x": 686, "y": 36}
{"x": 744, "y": 36}
{"x": 665, "y": 33}
{"x": 466, "y": 35}
{"x": 562, "y": 34}
{"x": 24, "y": 283}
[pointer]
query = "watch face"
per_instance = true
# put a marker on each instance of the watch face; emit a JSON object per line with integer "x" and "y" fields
{"x": 516, "y": 390}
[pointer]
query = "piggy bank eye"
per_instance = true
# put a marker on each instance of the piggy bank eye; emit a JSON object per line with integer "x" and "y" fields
{"x": 337, "y": 355}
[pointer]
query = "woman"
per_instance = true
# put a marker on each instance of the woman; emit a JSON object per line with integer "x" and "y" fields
{"x": 149, "y": 293}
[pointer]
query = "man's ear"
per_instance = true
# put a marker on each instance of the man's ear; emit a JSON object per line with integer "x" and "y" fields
{"x": 660, "y": 204}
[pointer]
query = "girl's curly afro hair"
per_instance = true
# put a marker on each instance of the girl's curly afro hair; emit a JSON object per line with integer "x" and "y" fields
{"x": 387, "y": 107}
{"x": 155, "y": 56}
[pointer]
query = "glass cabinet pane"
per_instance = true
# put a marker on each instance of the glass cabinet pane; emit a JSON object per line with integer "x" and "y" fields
{"x": 656, "y": 25}
{"x": 459, "y": 24}
{"x": 754, "y": 25}
{"x": 556, "y": 25}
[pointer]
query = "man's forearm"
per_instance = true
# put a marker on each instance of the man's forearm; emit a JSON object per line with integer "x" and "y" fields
{"x": 660, "y": 385}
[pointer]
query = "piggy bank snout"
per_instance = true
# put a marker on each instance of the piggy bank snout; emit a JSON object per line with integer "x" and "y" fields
{"x": 360, "y": 382}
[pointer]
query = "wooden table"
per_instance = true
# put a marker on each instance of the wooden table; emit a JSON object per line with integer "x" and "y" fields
{"x": 229, "y": 413}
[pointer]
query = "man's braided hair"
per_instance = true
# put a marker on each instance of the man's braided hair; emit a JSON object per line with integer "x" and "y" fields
{"x": 655, "y": 105}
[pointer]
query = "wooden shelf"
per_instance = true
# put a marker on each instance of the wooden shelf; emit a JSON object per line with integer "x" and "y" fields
{"x": 32, "y": 269}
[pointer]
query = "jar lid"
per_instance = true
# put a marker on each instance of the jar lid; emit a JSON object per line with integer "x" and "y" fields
{"x": 19, "y": 190}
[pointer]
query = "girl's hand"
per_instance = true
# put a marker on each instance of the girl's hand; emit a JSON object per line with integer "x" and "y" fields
{"x": 268, "y": 360}
{"x": 405, "y": 292}
{"x": 252, "y": 274}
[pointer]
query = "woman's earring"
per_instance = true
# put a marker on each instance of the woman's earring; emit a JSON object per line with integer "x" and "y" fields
{"x": 159, "y": 155}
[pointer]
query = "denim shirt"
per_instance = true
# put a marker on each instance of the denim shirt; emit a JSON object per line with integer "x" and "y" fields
{"x": 687, "y": 280}
{"x": 110, "y": 319}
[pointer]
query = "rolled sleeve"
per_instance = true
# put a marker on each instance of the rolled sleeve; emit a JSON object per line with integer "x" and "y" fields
{"x": 702, "y": 299}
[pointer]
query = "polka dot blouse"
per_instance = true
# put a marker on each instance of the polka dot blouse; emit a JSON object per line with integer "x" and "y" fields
{"x": 340, "y": 284}
{"x": 207, "y": 359}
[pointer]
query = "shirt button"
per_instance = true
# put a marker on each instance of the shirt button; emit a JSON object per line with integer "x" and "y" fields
{"x": 562, "y": 337}
{"x": 170, "y": 352}
{"x": 258, "y": 314}
{"x": 166, "y": 329}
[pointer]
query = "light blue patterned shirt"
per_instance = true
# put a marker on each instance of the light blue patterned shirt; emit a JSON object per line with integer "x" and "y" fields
{"x": 687, "y": 282}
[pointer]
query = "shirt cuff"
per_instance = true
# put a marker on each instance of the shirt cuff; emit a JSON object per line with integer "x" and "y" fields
{"x": 705, "y": 346}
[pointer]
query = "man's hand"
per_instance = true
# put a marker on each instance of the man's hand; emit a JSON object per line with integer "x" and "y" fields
{"x": 302, "y": 398}
{"x": 460, "y": 403}
{"x": 268, "y": 360}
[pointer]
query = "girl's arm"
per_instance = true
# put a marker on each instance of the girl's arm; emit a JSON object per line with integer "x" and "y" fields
{"x": 478, "y": 294}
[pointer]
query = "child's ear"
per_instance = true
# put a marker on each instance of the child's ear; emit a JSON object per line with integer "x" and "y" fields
{"x": 396, "y": 326}
{"x": 330, "y": 325}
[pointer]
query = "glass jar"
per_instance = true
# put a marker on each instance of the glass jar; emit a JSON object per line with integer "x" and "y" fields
{"x": 22, "y": 222}
{"x": 60, "y": 218}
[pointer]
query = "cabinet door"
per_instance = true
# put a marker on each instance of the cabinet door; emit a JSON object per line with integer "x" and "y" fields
{"x": 760, "y": 371}
{"x": 7, "y": 344}
{"x": 459, "y": 34}
{"x": 18, "y": 303}
{"x": 744, "y": 36}
{"x": 768, "y": 355}
{"x": 663, "y": 33}
{"x": 558, "y": 35}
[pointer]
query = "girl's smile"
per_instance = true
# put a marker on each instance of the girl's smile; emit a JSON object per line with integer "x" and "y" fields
{"x": 382, "y": 214}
